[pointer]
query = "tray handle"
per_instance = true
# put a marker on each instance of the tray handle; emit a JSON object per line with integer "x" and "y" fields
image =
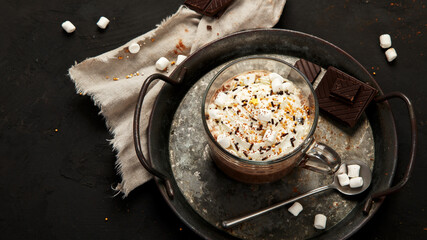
{"x": 381, "y": 194}
{"x": 136, "y": 120}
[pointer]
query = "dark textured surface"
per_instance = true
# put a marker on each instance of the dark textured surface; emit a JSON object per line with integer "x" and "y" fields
{"x": 56, "y": 185}
{"x": 348, "y": 113}
{"x": 310, "y": 69}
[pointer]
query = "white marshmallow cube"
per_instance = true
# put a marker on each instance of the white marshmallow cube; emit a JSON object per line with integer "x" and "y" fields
{"x": 134, "y": 48}
{"x": 270, "y": 136}
{"x": 343, "y": 179}
{"x": 274, "y": 76}
{"x": 385, "y": 41}
{"x": 390, "y": 54}
{"x": 276, "y": 84}
{"x": 68, "y": 26}
{"x": 221, "y": 99}
{"x": 342, "y": 169}
{"x": 353, "y": 170}
{"x": 264, "y": 115}
{"x": 103, "y": 22}
{"x": 180, "y": 59}
{"x": 295, "y": 209}
{"x": 224, "y": 141}
{"x": 162, "y": 64}
{"x": 320, "y": 221}
{"x": 214, "y": 113}
{"x": 356, "y": 182}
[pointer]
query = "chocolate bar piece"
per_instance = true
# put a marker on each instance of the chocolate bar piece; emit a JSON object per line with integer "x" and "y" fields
{"x": 345, "y": 90}
{"x": 348, "y": 113}
{"x": 309, "y": 69}
{"x": 209, "y": 8}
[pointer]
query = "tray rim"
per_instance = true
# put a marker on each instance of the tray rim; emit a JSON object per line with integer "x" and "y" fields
{"x": 176, "y": 72}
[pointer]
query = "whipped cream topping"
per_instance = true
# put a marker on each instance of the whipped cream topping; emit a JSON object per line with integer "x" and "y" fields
{"x": 259, "y": 116}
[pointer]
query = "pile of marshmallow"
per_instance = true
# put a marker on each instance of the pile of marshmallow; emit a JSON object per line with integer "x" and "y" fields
{"x": 69, "y": 27}
{"x": 351, "y": 177}
{"x": 319, "y": 219}
{"x": 385, "y": 42}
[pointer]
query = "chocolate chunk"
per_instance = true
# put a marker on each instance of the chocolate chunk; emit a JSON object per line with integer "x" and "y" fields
{"x": 345, "y": 90}
{"x": 309, "y": 69}
{"x": 197, "y": 5}
{"x": 211, "y": 8}
{"x": 347, "y": 113}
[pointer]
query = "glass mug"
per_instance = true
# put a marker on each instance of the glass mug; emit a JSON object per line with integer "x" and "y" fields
{"x": 309, "y": 154}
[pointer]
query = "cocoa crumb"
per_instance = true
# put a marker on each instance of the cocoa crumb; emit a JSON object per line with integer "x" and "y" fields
{"x": 209, "y": 27}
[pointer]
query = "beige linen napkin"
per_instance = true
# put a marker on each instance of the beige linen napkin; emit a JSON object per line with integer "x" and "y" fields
{"x": 113, "y": 79}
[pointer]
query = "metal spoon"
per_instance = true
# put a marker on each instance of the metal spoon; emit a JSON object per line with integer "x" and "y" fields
{"x": 365, "y": 173}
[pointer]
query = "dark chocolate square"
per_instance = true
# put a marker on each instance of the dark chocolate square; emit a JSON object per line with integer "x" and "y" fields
{"x": 310, "y": 70}
{"x": 349, "y": 114}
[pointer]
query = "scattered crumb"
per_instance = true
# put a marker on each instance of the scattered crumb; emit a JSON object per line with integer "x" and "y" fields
{"x": 209, "y": 27}
{"x": 56, "y": 130}
{"x": 107, "y": 77}
{"x": 106, "y": 219}
{"x": 217, "y": 34}
{"x": 180, "y": 229}
{"x": 120, "y": 57}
{"x": 374, "y": 73}
{"x": 115, "y": 79}
{"x": 173, "y": 63}
{"x": 152, "y": 40}
{"x": 186, "y": 30}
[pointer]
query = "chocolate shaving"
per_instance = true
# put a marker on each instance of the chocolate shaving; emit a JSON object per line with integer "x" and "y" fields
{"x": 284, "y": 134}
{"x": 264, "y": 158}
{"x": 294, "y": 131}
{"x": 244, "y": 104}
{"x": 245, "y": 153}
{"x": 292, "y": 141}
{"x": 272, "y": 103}
{"x": 236, "y": 145}
{"x": 287, "y": 93}
{"x": 247, "y": 139}
{"x": 254, "y": 119}
{"x": 260, "y": 127}
{"x": 272, "y": 121}
{"x": 237, "y": 130}
{"x": 250, "y": 147}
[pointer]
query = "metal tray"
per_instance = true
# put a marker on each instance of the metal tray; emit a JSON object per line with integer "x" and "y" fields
{"x": 378, "y": 121}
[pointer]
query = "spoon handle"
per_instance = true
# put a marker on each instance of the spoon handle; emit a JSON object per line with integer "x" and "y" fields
{"x": 234, "y": 221}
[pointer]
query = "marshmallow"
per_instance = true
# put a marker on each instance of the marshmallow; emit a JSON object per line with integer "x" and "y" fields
{"x": 353, "y": 170}
{"x": 270, "y": 136}
{"x": 134, "y": 48}
{"x": 342, "y": 169}
{"x": 274, "y": 76}
{"x": 224, "y": 141}
{"x": 180, "y": 59}
{"x": 221, "y": 99}
{"x": 295, "y": 209}
{"x": 356, "y": 182}
{"x": 103, "y": 22}
{"x": 264, "y": 115}
{"x": 287, "y": 86}
{"x": 390, "y": 54}
{"x": 68, "y": 27}
{"x": 276, "y": 85}
{"x": 385, "y": 41}
{"x": 162, "y": 64}
{"x": 343, "y": 179}
{"x": 214, "y": 113}
{"x": 320, "y": 221}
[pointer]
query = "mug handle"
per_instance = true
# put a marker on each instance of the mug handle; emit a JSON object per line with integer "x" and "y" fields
{"x": 136, "y": 125}
{"x": 321, "y": 158}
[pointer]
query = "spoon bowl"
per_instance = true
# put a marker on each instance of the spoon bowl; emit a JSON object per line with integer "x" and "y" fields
{"x": 365, "y": 173}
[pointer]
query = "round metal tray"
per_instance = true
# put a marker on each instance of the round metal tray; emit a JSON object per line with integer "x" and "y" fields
{"x": 201, "y": 210}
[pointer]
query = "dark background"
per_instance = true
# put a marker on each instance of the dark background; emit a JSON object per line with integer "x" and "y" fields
{"x": 56, "y": 184}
